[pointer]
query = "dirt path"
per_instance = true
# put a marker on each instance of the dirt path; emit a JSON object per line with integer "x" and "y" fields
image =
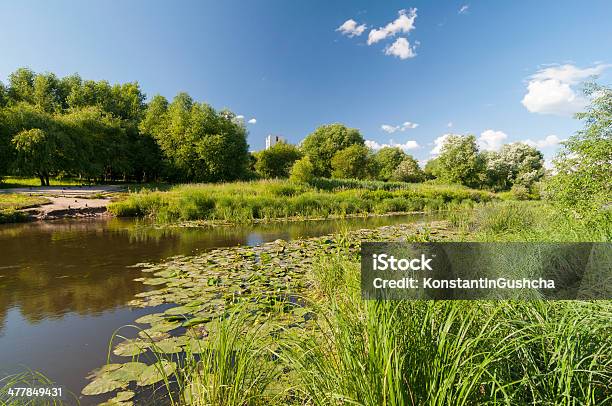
{"x": 69, "y": 201}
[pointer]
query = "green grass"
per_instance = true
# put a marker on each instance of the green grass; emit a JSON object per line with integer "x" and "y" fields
{"x": 17, "y": 201}
{"x": 20, "y": 182}
{"x": 11, "y": 203}
{"x": 272, "y": 199}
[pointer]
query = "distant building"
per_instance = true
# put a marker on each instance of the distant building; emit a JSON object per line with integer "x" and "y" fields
{"x": 272, "y": 140}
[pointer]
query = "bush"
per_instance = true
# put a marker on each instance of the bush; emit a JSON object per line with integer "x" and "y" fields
{"x": 302, "y": 171}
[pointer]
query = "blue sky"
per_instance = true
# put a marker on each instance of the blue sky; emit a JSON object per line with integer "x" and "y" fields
{"x": 504, "y": 71}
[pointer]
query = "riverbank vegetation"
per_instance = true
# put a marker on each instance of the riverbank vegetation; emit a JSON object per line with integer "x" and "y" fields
{"x": 284, "y": 323}
{"x": 281, "y": 199}
{"x": 12, "y": 203}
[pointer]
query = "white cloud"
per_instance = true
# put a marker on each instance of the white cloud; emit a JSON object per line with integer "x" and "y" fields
{"x": 450, "y": 124}
{"x": 405, "y": 146}
{"x": 491, "y": 140}
{"x": 400, "y": 48}
{"x": 438, "y": 143}
{"x": 252, "y": 121}
{"x": 351, "y": 29}
{"x": 407, "y": 125}
{"x": 549, "y": 141}
{"x": 404, "y": 23}
{"x": 552, "y": 90}
{"x": 464, "y": 9}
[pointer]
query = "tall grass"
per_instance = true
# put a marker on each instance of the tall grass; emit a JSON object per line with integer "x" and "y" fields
{"x": 452, "y": 352}
{"x": 247, "y": 201}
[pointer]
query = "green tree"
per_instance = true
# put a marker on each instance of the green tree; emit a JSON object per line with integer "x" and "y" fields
{"x": 408, "y": 171}
{"x": 387, "y": 160}
{"x": 302, "y": 171}
{"x": 321, "y": 145}
{"x": 197, "y": 142}
{"x": 351, "y": 162}
{"x": 583, "y": 181}
{"x": 432, "y": 169}
{"x": 46, "y": 92}
{"x": 21, "y": 86}
{"x": 36, "y": 153}
{"x": 460, "y": 161}
{"x": 276, "y": 162}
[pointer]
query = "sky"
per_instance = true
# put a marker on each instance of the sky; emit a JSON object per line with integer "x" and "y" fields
{"x": 403, "y": 72}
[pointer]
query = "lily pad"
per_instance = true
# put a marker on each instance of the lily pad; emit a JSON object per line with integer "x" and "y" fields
{"x": 101, "y": 385}
{"x": 150, "y": 318}
{"x": 167, "y": 346}
{"x": 129, "y": 348}
{"x": 156, "y": 372}
{"x": 130, "y": 371}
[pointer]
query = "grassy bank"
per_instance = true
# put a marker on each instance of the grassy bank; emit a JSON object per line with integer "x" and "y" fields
{"x": 284, "y": 323}
{"x": 246, "y": 201}
{"x": 11, "y": 203}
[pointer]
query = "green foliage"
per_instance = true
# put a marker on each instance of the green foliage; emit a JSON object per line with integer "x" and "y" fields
{"x": 516, "y": 164}
{"x": 351, "y": 162}
{"x": 276, "y": 162}
{"x": 321, "y": 145}
{"x": 584, "y": 167}
{"x": 107, "y": 132}
{"x": 386, "y": 162}
{"x": 200, "y": 143}
{"x": 408, "y": 171}
{"x": 460, "y": 162}
{"x": 302, "y": 171}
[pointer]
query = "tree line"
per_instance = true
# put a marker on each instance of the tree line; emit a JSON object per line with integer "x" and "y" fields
{"x": 96, "y": 131}
{"x": 340, "y": 152}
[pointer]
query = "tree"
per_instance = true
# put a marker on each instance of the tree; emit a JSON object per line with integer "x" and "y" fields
{"x": 408, "y": 171}
{"x": 432, "y": 169}
{"x": 36, "y": 153}
{"x": 515, "y": 164}
{"x": 387, "y": 160}
{"x": 351, "y": 162}
{"x": 460, "y": 162}
{"x": 321, "y": 145}
{"x": 198, "y": 142}
{"x": 584, "y": 167}
{"x": 21, "y": 86}
{"x": 302, "y": 171}
{"x": 276, "y": 162}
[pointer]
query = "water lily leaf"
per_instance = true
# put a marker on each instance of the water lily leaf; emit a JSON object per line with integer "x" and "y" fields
{"x": 156, "y": 372}
{"x": 152, "y": 335}
{"x": 155, "y": 281}
{"x": 180, "y": 310}
{"x": 101, "y": 385}
{"x": 167, "y": 346}
{"x": 124, "y": 396}
{"x": 103, "y": 370}
{"x": 129, "y": 348}
{"x": 130, "y": 371}
{"x": 150, "y": 318}
{"x": 165, "y": 326}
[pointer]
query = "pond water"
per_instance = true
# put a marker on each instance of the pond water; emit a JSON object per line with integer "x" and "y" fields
{"x": 64, "y": 284}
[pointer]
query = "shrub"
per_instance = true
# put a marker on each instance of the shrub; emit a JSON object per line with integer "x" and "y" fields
{"x": 302, "y": 171}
